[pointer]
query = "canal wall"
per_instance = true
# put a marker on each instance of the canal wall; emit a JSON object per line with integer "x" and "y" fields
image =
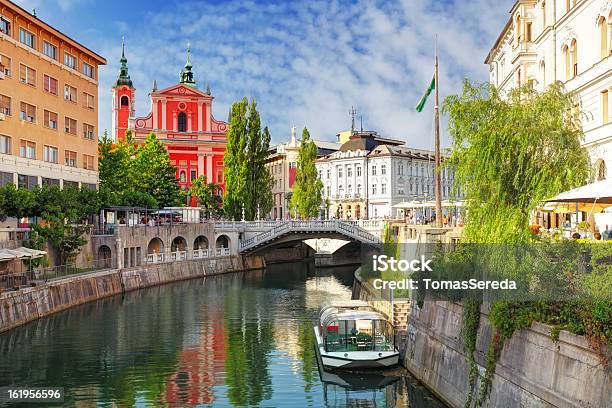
{"x": 27, "y": 304}
{"x": 533, "y": 370}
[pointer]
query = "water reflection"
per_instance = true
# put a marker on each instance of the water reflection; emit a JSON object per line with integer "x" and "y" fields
{"x": 234, "y": 340}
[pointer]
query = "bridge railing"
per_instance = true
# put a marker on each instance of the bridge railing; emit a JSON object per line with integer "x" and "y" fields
{"x": 350, "y": 229}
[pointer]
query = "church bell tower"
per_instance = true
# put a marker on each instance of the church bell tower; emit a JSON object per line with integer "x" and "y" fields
{"x": 123, "y": 99}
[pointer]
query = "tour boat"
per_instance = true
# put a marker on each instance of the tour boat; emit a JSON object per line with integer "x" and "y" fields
{"x": 352, "y": 335}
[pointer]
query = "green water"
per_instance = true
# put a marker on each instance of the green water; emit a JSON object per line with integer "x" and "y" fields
{"x": 232, "y": 340}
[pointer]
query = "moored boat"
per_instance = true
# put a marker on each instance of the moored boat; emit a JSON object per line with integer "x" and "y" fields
{"x": 352, "y": 335}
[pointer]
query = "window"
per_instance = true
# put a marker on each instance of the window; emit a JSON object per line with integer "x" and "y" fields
{"x": 5, "y": 144}
{"x": 125, "y": 101}
{"x": 328, "y": 173}
{"x": 50, "y": 154}
{"x": 88, "y": 131}
{"x": 5, "y": 178}
{"x": 88, "y": 101}
{"x": 88, "y": 162}
{"x": 220, "y": 176}
{"x": 358, "y": 171}
{"x": 340, "y": 171}
{"x": 183, "y": 177}
{"x": 182, "y": 122}
{"x": 574, "y": 58}
{"x": 70, "y": 93}
{"x": 358, "y": 191}
{"x": 50, "y": 119}
{"x": 373, "y": 170}
{"x": 5, "y": 105}
{"x": 528, "y": 32}
{"x": 50, "y": 181}
{"x": 69, "y": 60}
{"x": 383, "y": 189}
{"x": 70, "y": 125}
{"x": 5, "y": 65}
{"x": 566, "y": 58}
{"x": 518, "y": 29}
{"x": 27, "y": 182}
{"x": 604, "y": 107}
{"x": 5, "y": 26}
{"x": 50, "y": 50}
{"x": 603, "y": 32}
{"x": 27, "y": 75}
{"x": 194, "y": 175}
{"x": 27, "y": 38}
{"x": 70, "y": 158}
{"x": 383, "y": 169}
{"x": 27, "y": 149}
{"x": 27, "y": 112}
{"x": 373, "y": 189}
{"x": 88, "y": 70}
{"x": 349, "y": 172}
{"x": 50, "y": 84}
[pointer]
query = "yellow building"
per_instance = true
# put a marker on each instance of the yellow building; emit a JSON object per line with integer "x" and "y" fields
{"x": 48, "y": 104}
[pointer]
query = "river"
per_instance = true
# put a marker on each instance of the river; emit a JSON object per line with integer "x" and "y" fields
{"x": 232, "y": 340}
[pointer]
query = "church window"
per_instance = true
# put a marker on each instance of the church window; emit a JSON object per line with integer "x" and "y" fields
{"x": 125, "y": 101}
{"x": 182, "y": 122}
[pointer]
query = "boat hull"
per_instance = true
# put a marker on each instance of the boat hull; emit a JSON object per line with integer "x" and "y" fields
{"x": 354, "y": 359}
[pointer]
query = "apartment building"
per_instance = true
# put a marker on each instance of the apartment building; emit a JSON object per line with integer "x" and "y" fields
{"x": 545, "y": 41}
{"x": 48, "y": 104}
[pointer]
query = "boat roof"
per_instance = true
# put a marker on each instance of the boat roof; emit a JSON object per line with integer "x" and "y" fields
{"x": 348, "y": 310}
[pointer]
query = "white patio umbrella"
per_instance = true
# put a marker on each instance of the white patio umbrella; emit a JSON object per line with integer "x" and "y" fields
{"x": 599, "y": 192}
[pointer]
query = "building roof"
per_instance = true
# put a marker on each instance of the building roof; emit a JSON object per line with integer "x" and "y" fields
{"x": 403, "y": 151}
{"x": 101, "y": 60}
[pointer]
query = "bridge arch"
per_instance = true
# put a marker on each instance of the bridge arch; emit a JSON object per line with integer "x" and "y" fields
{"x": 201, "y": 242}
{"x": 156, "y": 246}
{"x": 178, "y": 244}
{"x": 222, "y": 241}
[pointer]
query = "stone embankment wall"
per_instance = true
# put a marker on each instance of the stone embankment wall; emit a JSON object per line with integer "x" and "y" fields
{"x": 25, "y": 305}
{"x": 533, "y": 371}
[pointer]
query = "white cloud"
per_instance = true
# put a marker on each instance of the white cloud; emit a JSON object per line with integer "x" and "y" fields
{"x": 307, "y": 62}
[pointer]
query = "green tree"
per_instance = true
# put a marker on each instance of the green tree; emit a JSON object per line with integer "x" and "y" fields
{"x": 152, "y": 172}
{"x": 307, "y": 196}
{"x": 114, "y": 162}
{"x": 235, "y": 162}
{"x": 511, "y": 153}
{"x": 16, "y": 202}
{"x": 248, "y": 181}
{"x": 207, "y": 195}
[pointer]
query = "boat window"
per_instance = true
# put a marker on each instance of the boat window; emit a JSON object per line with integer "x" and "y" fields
{"x": 358, "y": 335}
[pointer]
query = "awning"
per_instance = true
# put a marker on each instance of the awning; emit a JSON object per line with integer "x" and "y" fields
{"x": 566, "y": 208}
{"x": 20, "y": 253}
{"x": 599, "y": 192}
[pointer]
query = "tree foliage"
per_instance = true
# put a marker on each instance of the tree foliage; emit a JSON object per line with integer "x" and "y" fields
{"x": 207, "y": 195}
{"x": 510, "y": 153}
{"x": 134, "y": 175}
{"x": 307, "y": 190}
{"x": 247, "y": 180}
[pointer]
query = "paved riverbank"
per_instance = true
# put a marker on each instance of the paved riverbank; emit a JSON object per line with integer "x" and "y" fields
{"x": 27, "y": 304}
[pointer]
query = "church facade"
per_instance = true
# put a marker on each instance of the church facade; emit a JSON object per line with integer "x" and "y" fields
{"x": 181, "y": 117}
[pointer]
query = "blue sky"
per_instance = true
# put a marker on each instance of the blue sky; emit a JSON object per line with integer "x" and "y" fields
{"x": 306, "y": 63}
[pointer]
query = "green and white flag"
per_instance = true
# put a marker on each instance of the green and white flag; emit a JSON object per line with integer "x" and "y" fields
{"x": 421, "y": 104}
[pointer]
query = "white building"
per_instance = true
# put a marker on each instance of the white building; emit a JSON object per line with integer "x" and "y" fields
{"x": 562, "y": 40}
{"x": 370, "y": 174}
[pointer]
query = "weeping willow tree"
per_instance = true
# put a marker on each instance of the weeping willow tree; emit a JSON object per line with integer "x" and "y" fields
{"x": 510, "y": 153}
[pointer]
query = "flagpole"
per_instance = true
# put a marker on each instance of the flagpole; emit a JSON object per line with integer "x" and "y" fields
{"x": 437, "y": 183}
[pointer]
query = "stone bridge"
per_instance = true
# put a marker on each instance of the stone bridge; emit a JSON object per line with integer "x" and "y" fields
{"x": 133, "y": 245}
{"x": 296, "y": 230}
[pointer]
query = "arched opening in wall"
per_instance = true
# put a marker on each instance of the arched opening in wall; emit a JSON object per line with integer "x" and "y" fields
{"x": 125, "y": 101}
{"x": 223, "y": 241}
{"x": 603, "y": 33}
{"x": 519, "y": 32}
{"x": 201, "y": 242}
{"x": 358, "y": 212}
{"x": 182, "y": 122}
{"x": 104, "y": 256}
{"x": 600, "y": 170}
{"x": 156, "y": 246}
{"x": 574, "y": 52}
{"x": 178, "y": 244}
{"x": 183, "y": 176}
